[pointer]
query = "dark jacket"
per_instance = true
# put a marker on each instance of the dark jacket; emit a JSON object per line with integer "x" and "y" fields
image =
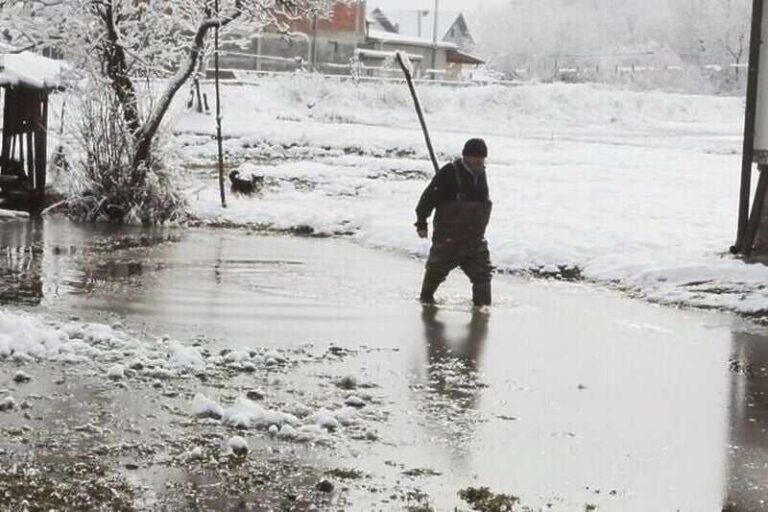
{"x": 445, "y": 188}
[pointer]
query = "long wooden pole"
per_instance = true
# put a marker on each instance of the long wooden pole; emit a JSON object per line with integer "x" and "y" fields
{"x": 218, "y": 109}
{"x": 419, "y": 112}
{"x": 749, "y": 126}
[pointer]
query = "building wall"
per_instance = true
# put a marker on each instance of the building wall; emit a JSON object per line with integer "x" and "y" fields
{"x": 328, "y": 43}
{"x": 273, "y": 52}
{"x": 344, "y": 18}
{"x": 424, "y": 51}
{"x": 333, "y": 44}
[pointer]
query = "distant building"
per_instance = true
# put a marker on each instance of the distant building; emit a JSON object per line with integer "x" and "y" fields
{"x": 444, "y": 53}
{"x": 452, "y": 26}
{"x": 353, "y": 40}
{"x": 325, "y": 45}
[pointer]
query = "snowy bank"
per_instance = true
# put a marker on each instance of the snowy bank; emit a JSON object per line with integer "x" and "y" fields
{"x": 630, "y": 189}
{"x": 111, "y": 353}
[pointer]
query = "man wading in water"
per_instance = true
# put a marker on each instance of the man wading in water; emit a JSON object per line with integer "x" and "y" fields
{"x": 459, "y": 194}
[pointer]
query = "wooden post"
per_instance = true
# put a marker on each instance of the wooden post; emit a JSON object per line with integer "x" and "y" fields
{"x": 749, "y": 127}
{"x": 5, "y": 150}
{"x": 218, "y": 110}
{"x": 417, "y": 103}
{"x": 41, "y": 140}
{"x": 757, "y": 212}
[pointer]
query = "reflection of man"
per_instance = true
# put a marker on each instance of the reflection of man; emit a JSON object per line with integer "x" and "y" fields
{"x": 459, "y": 195}
{"x": 467, "y": 352}
{"x": 449, "y": 403}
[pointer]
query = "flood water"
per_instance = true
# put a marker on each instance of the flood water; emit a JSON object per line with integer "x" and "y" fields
{"x": 563, "y": 395}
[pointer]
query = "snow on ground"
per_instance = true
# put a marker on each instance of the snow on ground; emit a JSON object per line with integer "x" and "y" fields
{"x": 110, "y": 352}
{"x": 636, "y": 190}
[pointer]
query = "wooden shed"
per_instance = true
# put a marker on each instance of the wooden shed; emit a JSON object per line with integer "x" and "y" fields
{"x": 25, "y": 82}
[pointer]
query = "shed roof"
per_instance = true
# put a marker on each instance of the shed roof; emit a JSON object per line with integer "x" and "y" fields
{"x": 30, "y": 69}
{"x": 459, "y": 57}
{"x": 393, "y": 37}
{"x": 381, "y": 54}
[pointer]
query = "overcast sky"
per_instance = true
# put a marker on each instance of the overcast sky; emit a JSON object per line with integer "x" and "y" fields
{"x": 452, "y": 5}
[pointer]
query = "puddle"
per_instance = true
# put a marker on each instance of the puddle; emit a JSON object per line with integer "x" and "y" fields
{"x": 554, "y": 398}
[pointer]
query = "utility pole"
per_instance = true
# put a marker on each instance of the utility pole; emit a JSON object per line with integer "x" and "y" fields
{"x": 420, "y": 14}
{"x": 434, "y": 39}
{"x": 313, "y": 49}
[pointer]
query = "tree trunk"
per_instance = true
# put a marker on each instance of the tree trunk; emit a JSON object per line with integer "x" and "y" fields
{"x": 146, "y": 134}
{"x": 117, "y": 71}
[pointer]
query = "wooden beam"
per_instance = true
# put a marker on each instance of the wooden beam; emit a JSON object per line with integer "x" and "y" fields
{"x": 757, "y": 212}
{"x": 5, "y": 151}
{"x": 749, "y": 126}
{"x": 41, "y": 141}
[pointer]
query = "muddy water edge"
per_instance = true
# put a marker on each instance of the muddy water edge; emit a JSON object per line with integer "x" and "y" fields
{"x": 562, "y": 398}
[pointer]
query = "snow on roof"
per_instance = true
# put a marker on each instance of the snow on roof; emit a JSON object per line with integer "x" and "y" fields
{"x": 392, "y": 37}
{"x": 27, "y": 68}
{"x": 461, "y": 57}
{"x": 408, "y": 22}
{"x": 380, "y": 54}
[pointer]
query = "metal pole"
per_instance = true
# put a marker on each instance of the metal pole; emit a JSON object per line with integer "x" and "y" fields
{"x": 218, "y": 108}
{"x": 419, "y": 112}
{"x": 749, "y": 125}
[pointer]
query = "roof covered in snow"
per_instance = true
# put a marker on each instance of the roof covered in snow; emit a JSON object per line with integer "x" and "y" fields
{"x": 31, "y": 70}
{"x": 380, "y": 54}
{"x": 420, "y": 23}
{"x": 460, "y": 57}
{"x": 391, "y": 37}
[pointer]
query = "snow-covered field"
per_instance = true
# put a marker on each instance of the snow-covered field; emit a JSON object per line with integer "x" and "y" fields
{"x": 636, "y": 190}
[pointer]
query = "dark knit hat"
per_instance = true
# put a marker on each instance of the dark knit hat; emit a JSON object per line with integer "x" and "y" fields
{"x": 475, "y": 147}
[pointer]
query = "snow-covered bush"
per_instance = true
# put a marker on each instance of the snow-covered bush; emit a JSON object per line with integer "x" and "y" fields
{"x": 104, "y": 183}
{"x": 117, "y": 44}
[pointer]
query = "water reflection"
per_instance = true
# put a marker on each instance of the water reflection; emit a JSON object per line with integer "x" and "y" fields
{"x": 21, "y": 263}
{"x": 42, "y": 259}
{"x": 747, "y": 475}
{"x": 453, "y": 381}
{"x": 453, "y": 366}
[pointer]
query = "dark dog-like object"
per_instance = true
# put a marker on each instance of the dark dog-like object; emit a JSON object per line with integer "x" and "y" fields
{"x": 243, "y": 186}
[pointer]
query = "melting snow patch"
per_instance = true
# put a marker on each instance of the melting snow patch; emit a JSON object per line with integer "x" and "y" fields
{"x": 185, "y": 359}
{"x": 287, "y": 432}
{"x": 204, "y": 407}
{"x": 238, "y": 446}
{"x": 354, "y": 401}
{"x": 246, "y": 414}
{"x": 116, "y": 372}
{"x": 325, "y": 419}
{"x": 7, "y": 404}
{"x": 21, "y": 377}
{"x": 237, "y": 356}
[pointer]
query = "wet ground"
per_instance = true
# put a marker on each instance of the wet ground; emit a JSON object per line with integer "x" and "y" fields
{"x": 564, "y": 396}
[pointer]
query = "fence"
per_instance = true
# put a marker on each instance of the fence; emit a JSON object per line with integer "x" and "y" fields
{"x": 245, "y": 67}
